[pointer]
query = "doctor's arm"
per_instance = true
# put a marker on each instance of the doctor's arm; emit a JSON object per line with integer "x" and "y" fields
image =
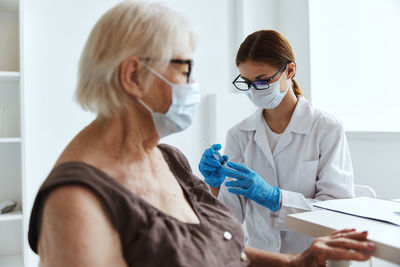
{"x": 334, "y": 178}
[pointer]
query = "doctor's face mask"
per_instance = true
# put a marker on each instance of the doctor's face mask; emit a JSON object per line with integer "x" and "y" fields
{"x": 268, "y": 98}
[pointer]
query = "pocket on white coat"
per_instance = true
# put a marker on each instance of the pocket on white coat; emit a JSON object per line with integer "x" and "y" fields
{"x": 307, "y": 179}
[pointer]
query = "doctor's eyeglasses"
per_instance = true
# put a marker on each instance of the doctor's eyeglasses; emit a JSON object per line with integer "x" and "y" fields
{"x": 243, "y": 85}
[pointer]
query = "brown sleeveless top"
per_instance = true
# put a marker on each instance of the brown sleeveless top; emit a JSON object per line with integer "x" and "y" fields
{"x": 148, "y": 236}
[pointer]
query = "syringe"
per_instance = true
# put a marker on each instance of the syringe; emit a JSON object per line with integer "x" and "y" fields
{"x": 217, "y": 155}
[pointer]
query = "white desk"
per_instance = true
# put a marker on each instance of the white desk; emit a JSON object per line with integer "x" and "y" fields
{"x": 323, "y": 222}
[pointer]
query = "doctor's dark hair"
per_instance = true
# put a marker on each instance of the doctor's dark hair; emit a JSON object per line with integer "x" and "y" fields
{"x": 267, "y": 46}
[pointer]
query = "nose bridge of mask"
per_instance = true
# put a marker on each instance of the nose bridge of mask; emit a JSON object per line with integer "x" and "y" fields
{"x": 186, "y": 94}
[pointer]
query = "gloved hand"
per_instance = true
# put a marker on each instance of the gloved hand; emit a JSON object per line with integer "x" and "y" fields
{"x": 252, "y": 186}
{"x": 211, "y": 168}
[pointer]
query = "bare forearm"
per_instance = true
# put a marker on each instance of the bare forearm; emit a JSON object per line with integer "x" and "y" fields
{"x": 214, "y": 191}
{"x": 260, "y": 258}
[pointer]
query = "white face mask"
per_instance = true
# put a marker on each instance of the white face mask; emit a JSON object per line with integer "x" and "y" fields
{"x": 269, "y": 98}
{"x": 185, "y": 99}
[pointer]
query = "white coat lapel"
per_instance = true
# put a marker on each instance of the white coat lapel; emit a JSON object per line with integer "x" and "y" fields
{"x": 285, "y": 139}
{"x": 261, "y": 140}
{"x": 297, "y": 125}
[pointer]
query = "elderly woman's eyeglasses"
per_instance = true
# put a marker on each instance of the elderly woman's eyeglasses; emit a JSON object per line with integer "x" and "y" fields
{"x": 243, "y": 85}
{"x": 188, "y": 62}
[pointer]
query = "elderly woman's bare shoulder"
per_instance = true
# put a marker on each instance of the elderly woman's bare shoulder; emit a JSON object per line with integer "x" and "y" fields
{"x": 74, "y": 219}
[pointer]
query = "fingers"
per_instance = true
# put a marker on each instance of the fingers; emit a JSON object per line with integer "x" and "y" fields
{"x": 216, "y": 146}
{"x": 350, "y": 239}
{"x": 360, "y": 236}
{"x": 225, "y": 157}
{"x": 209, "y": 152}
{"x": 345, "y": 254}
{"x": 238, "y": 167}
{"x": 341, "y": 245}
{"x": 205, "y": 167}
{"x": 238, "y": 183}
{"x": 237, "y": 191}
{"x": 351, "y": 233}
{"x": 233, "y": 173}
{"x": 363, "y": 246}
{"x": 343, "y": 231}
{"x": 208, "y": 158}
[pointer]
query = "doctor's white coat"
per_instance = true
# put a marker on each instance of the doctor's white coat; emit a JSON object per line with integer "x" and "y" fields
{"x": 311, "y": 162}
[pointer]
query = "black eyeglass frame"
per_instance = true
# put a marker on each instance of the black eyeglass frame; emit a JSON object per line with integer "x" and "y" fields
{"x": 249, "y": 84}
{"x": 189, "y": 62}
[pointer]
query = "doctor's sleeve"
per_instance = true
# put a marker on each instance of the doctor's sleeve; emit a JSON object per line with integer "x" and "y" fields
{"x": 335, "y": 171}
{"x": 236, "y": 204}
{"x": 334, "y": 179}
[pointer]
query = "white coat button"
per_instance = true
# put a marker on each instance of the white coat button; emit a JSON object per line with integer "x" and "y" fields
{"x": 276, "y": 244}
{"x": 243, "y": 256}
{"x": 227, "y": 235}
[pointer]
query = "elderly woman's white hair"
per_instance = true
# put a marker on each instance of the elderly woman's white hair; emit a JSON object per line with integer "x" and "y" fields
{"x": 131, "y": 28}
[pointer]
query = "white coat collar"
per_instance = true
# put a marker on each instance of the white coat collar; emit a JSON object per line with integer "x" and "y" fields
{"x": 300, "y": 122}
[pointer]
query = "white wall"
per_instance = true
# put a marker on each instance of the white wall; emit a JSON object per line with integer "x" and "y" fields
{"x": 293, "y": 23}
{"x": 351, "y": 43}
{"x": 355, "y": 54}
{"x": 376, "y": 161}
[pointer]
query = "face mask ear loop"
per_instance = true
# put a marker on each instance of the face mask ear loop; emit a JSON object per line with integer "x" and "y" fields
{"x": 289, "y": 82}
{"x": 158, "y": 74}
{"x": 144, "y": 105}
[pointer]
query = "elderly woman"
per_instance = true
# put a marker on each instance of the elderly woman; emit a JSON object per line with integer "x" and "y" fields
{"x": 117, "y": 198}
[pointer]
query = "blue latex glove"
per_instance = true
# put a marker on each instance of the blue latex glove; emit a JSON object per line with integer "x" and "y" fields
{"x": 211, "y": 168}
{"x": 252, "y": 186}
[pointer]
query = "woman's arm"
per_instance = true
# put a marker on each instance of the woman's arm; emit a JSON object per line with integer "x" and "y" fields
{"x": 340, "y": 245}
{"x": 76, "y": 231}
{"x": 214, "y": 190}
{"x": 261, "y": 258}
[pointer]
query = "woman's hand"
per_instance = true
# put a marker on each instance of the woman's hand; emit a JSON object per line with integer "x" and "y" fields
{"x": 340, "y": 245}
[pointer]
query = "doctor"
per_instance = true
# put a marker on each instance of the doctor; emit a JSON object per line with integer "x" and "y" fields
{"x": 282, "y": 158}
